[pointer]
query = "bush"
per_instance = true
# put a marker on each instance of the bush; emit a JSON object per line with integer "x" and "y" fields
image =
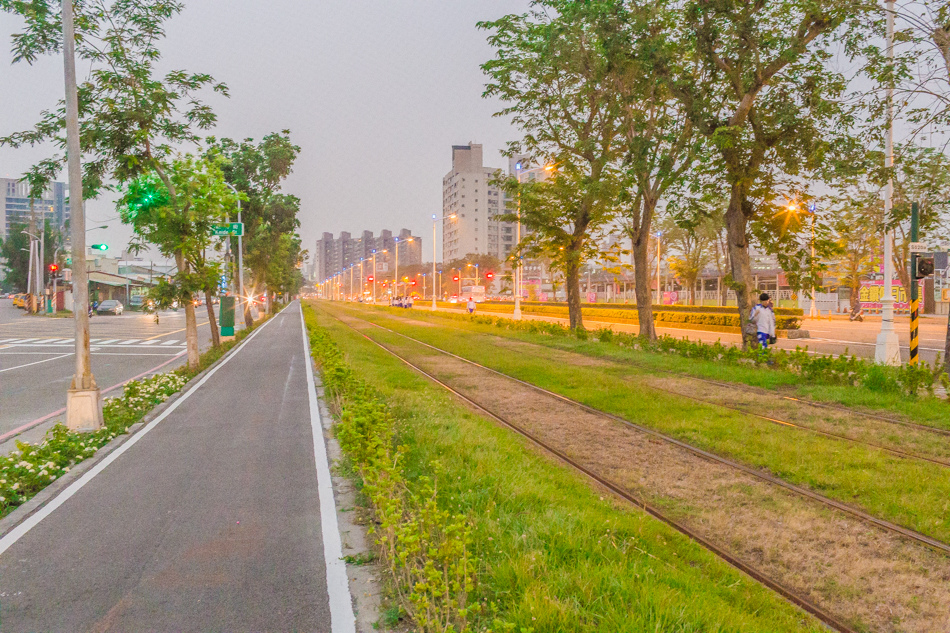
{"x": 427, "y": 549}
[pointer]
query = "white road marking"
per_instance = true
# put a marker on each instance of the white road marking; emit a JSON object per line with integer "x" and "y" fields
{"x": 33, "y": 520}
{"x": 342, "y": 619}
{"x": 152, "y": 342}
{"x": 111, "y": 340}
{"x": 171, "y": 342}
{"x": 45, "y": 360}
{"x": 8, "y": 340}
{"x": 129, "y": 342}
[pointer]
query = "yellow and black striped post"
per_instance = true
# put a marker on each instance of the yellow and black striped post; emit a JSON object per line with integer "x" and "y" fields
{"x": 914, "y": 288}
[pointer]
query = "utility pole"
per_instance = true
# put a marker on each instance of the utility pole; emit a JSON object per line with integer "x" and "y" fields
{"x": 83, "y": 400}
{"x": 887, "y": 350}
{"x": 914, "y": 287}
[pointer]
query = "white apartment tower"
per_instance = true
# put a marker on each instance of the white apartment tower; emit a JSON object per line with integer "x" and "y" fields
{"x": 467, "y": 193}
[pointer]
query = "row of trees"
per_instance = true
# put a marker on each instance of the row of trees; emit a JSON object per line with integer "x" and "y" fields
{"x": 140, "y": 134}
{"x": 718, "y": 114}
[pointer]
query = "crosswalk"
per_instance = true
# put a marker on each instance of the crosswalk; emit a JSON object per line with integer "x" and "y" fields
{"x": 97, "y": 342}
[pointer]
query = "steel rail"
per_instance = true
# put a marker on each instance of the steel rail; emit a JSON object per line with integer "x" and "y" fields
{"x": 790, "y": 595}
{"x": 805, "y": 492}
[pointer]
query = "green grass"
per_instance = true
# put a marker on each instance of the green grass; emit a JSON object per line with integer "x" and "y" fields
{"x": 909, "y": 492}
{"x": 556, "y": 555}
{"x": 922, "y": 410}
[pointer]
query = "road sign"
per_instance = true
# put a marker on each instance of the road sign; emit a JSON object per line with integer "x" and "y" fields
{"x": 918, "y": 247}
{"x": 234, "y": 228}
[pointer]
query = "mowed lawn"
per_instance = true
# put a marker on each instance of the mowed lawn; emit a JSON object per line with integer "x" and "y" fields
{"x": 910, "y": 492}
{"x": 557, "y": 554}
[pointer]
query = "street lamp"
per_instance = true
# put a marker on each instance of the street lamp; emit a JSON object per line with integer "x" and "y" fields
{"x": 240, "y": 254}
{"x": 374, "y": 273}
{"x": 396, "y": 273}
{"x": 517, "y": 272}
{"x": 887, "y": 349}
{"x": 659, "y": 235}
{"x": 434, "y": 223}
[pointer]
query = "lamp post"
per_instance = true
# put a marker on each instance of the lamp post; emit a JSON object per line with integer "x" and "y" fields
{"x": 83, "y": 400}
{"x": 434, "y": 223}
{"x": 396, "y": 274}
{"x": 813, "y": 312}
{"x": 659, "y": 299}
{"x": 362, "y": 278}
{"x": 240, "y": 255}
{"x": 517, "y": 271}
{"x": 887, "y": 348}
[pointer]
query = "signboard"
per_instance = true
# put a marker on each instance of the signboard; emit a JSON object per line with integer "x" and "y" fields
{"x": 226, "y": 317}
{"x": 872, "y": 291}
{"x": 234, "y": 228}
{"x": 918, "y": 247}
{"x": 591, "y": 297}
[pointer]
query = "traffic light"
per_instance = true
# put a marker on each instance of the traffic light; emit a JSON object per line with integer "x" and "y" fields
{"x": 414, "y": 282}
{"x": 925, "y": 267}
{"x": 370, "y": 279}
{"x": 489, "y": 275}
{"x": 100, "y": 247}
{"x": 53, "y": 268}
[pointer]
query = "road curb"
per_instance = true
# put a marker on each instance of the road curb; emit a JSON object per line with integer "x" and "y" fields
{"x": 47, "y": 494}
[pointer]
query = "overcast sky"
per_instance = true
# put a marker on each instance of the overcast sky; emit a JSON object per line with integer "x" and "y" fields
{"x": 375, "y": 92}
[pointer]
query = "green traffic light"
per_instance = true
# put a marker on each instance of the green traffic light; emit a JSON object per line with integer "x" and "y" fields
{"x": 100, "y": 247}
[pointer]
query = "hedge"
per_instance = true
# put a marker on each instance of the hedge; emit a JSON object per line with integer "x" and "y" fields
{"x": 656, "y": 308}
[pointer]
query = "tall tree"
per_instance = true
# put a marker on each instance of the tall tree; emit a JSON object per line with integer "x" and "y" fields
{"x": 177, "y": 214}
{"x": 552, "y": 71}
{"x": 147, "y": 114}
{"x": 772, "y": 107}
{"x": 257, "y": 170}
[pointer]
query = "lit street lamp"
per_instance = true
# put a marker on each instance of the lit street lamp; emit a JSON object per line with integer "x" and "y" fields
{"x": 434, "y": 223}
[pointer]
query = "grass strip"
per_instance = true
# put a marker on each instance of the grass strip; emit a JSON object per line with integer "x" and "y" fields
{"x": 26, "y": 471}
{"x": 551, "y": 553}
{"x": 908, "y": 492}
{"x": 843, "y": 380}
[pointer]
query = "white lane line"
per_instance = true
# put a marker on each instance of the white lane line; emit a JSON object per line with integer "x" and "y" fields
{"x": 342, "y": 619}
{"x": 33, "y": 520}
{"x": 58, "y": 341}
{"x": 26, "y": 340}
{"x": 171, "y": 342}
{"x": 129, "y": 342}
{"x": 111, "y": 340}
{"x": 152, "y": 342}
{"x": 45, "y": 360}
{"x": 8, "y": 340}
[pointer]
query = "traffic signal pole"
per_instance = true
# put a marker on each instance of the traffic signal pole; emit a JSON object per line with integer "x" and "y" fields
{"x": 914, "y": 288}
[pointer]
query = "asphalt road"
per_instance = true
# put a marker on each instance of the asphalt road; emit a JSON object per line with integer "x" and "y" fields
{"x": 835, "y": 336}
{"x": 211, "y": 521}
{"x": 37, "y": 360}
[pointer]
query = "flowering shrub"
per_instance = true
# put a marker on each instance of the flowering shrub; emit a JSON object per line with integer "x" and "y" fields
{"x": 427, "y": 548}
{"x": 32, "y": 467}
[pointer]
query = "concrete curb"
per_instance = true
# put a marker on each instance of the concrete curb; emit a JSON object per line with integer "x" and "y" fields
{"x": 44, "y": 496}
{"x": 365, "y": 585}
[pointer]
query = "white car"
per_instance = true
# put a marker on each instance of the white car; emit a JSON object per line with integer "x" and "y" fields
{"x": 109, "y": 306}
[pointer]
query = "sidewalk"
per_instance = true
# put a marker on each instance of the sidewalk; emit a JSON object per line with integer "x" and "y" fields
{"x": 211, "y": 518}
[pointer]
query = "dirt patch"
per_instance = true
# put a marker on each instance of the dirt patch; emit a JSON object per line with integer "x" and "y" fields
{"x": 861, "y": 573}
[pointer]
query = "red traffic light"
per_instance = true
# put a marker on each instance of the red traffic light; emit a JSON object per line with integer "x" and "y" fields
{"x": 53, "y": 268}
{"x": 414, "y": 282}
{"x": 455, "y": 278}
{"x": 490, "y": 275}
{"x": 370, "y": 278}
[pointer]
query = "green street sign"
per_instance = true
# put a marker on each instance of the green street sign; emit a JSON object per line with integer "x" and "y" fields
{"x": 69, "y": 261}
{"x": 234, "y": 228}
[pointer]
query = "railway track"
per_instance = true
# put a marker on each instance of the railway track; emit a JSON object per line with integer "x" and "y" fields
{"x": 908, "y": 533}
{"x": 801, "y": 601}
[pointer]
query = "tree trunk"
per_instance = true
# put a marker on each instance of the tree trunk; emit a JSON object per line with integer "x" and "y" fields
{"x": 215, "y": 333}
{"x": 736, "y": 225}
{"x": 641, "y": 276}
{"x": 191, "y": 323}
{"x": 572, "y": 280}
{"x": 248, "y": 319}
{"x": 946, "y": 349}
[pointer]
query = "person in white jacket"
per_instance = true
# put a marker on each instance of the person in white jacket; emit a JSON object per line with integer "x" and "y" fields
{"x": 764, "y": 318}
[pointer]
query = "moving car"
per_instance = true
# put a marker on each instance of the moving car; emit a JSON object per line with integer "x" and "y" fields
{"x": 109, "y": 306}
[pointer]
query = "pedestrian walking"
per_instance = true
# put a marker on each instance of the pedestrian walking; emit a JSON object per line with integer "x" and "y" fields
{"x": 471, "y": 305}
{"x": 763, "y": 316}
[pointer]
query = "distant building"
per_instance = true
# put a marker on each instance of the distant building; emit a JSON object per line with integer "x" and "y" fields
{"x": 467, "y": 193}
{"x": 333, "y": 255}
{"x": 15, "y": 205}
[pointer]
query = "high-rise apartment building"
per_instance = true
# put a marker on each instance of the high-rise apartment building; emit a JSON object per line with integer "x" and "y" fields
{"x": 333, "y": 255}
{"x": 467, "y": 193}
{"x": 15, "y": 205}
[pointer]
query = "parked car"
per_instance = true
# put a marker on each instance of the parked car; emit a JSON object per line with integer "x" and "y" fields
{"x": 109, "y": 306}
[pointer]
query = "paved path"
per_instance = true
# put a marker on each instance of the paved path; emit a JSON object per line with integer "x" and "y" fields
{"x": 209, "y": 520}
